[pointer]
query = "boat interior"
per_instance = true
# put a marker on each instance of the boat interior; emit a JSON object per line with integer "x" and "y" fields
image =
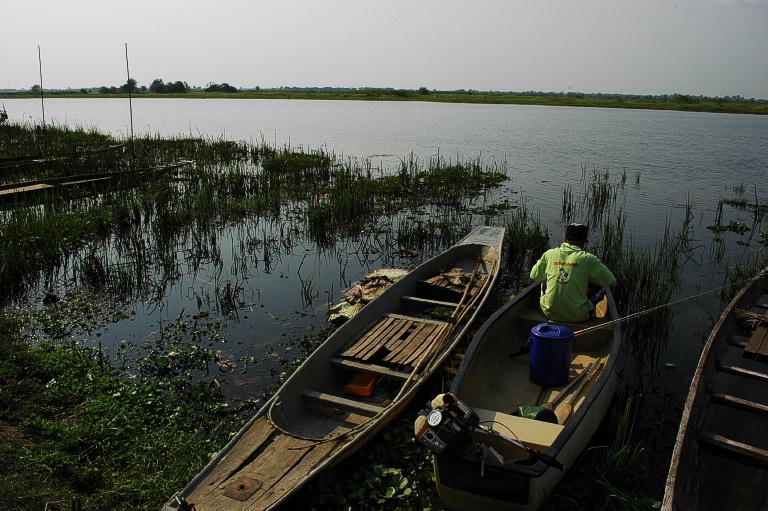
{"x": 369, "y": 371}
{"x": 498, "y": 382}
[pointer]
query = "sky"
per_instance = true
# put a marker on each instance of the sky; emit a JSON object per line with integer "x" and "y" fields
{"x": 714, "y": 48}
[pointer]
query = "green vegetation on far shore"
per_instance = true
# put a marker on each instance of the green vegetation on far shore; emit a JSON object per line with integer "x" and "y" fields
{"x": 677, "y": 102}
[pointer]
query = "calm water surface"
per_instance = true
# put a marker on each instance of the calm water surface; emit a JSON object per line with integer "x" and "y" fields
{"x": 665, "y": 161}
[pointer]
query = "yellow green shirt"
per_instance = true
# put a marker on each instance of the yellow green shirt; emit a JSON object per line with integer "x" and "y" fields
{"x": 568, "y": 271}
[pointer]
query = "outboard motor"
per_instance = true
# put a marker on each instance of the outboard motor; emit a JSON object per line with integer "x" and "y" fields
{"x": 446, "y": 428}
{"x": 448, "y": 424}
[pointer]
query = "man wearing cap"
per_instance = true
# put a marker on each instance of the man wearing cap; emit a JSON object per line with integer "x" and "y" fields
{"x": 567, "y": 272}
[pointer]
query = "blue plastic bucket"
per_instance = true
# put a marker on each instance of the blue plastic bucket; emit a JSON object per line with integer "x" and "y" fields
{"x": 551, "y": 347}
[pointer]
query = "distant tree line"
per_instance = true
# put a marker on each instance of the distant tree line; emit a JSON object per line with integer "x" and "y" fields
{"x": 158, "y": 86}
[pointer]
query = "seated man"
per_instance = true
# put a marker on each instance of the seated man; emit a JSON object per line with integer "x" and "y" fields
{"x": 567, "y": 272}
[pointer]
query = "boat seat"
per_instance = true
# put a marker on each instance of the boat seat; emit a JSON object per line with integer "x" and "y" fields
{"x": 341, "y": 403}
{"x": 733, "y": 446}
{"x": 427, "y": 301}
{"x": 368, "y": 368}
{"x": 395, "y": 340}
{"x": 740, "y": 371}
{"x": 537, "y": 434}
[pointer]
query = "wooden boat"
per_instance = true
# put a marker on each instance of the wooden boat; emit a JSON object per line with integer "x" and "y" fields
{"x": 720, "y": 459}
{"x": 321, "y": 414}
{"x": 525, "y": 453}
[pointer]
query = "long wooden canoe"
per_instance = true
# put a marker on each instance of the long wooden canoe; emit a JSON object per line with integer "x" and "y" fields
{"x": 720, "y": 460}
{"x": 495, "y": 382}
{"x": 316, "y": 418}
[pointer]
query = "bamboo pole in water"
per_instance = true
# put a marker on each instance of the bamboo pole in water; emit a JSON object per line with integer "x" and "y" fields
{"x": 42, "y": 93}
{"x": 130, "y": 102}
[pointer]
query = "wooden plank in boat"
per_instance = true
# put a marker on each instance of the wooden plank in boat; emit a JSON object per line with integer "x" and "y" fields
{"x": 733, "y": 446}
{"x": 371, "y": 340}
{"x": 421, "y": 347}
{"x": 443, "y": 286}
{"x": 400, "y": 335}
{"x": 758, "y": 343}
{"x": 739, "y": 403}
{"x": 234, "y": 468}
{"x": 416, "y": 339}
{"x": 341, "y": 403}
{"x": 354, "y": 342}
{"x": 398, "y": 328}
{"x": 275, "y": 463}
{"x": 259, "y": 432}
{"x": 365, "y": 367}
{"x": 308, "y": 463}
{"x": 740, "y": 371}
{"x": 427, "y": 301}
{"x": 413, "y": 318}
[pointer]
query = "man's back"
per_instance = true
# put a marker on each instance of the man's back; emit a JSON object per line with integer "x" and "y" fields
{"x": 567, "y": 271}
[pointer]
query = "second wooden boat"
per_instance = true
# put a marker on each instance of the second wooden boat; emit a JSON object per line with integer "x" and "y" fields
{"x": 720, "y": 460}
{"x": 354, "y": 384}
{"x": 524, "y": 429}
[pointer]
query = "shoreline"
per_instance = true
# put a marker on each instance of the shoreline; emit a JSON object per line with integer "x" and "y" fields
{"x": 672, "y": 102}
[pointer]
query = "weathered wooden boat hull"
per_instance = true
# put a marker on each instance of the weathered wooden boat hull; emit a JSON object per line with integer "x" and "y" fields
{"x": 720, "y": 459}
{"x": 310, "y": 423}
{"x": 494, "y": 385}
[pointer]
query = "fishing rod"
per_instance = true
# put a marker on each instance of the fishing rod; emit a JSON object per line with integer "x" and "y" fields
{"x": 658, "y": 307}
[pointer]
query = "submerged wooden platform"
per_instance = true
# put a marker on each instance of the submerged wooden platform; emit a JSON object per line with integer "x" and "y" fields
{"x": 24, "y": 191}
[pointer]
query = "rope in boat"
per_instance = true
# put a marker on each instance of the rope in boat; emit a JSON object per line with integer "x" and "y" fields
{"x": 316, "y": 441}
{"x": 658, "y": 307}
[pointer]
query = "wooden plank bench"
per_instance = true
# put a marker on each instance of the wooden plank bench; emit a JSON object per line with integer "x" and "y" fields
{"x": 427, "y": 301}
{"x": 341, "y": 403}
{"x": 741, "y": 404}
{"x": 741, "y": 372}
{"x": 368, "y": 368}
{"x": 733, "y": 446}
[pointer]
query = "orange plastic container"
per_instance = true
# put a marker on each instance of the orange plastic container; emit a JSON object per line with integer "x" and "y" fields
{"x": 361, "y": 385}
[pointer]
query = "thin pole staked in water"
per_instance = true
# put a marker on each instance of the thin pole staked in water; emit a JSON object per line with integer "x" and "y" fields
{"x": 42, "y": 92}
{"x": 130, "y": 101}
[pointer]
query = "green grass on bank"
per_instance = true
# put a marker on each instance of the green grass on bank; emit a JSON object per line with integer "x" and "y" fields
{"x": 76, "y": 435}
{"x": 677, "y": 102}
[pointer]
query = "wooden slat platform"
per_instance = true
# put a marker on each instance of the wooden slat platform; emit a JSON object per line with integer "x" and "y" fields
{"x": 395, "y": 339}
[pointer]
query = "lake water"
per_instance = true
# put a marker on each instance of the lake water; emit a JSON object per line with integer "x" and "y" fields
{"x": 669, "y": 160}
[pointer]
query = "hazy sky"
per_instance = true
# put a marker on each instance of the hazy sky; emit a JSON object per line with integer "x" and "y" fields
{"x": 709, "y": 47}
